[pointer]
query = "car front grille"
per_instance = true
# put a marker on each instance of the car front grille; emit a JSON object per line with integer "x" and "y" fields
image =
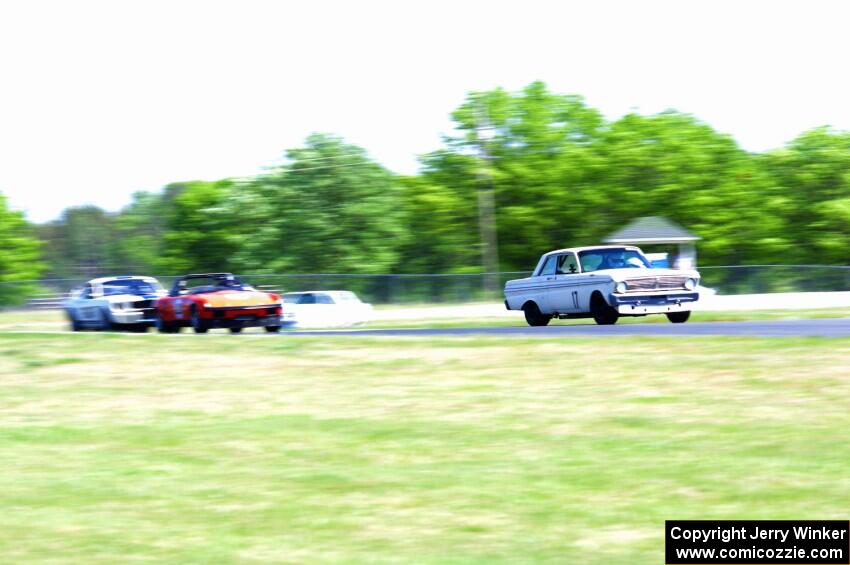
{"x": 143, "y": 304}
{"x": 656, "y": 283}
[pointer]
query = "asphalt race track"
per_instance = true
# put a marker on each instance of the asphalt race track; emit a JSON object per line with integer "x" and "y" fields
{"x": 825, "y": 327}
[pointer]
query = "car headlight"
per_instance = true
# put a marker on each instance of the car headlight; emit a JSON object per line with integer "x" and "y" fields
{"x": 621, "y": 287}
{"x": 122, "y": 305}
{"x": 690, "y": 284}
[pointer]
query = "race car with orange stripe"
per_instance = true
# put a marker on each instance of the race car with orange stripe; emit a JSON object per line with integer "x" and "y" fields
{"x": 216, "y": 300}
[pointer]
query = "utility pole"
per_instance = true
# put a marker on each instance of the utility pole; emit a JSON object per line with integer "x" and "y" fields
{"x": 486, "y": 202}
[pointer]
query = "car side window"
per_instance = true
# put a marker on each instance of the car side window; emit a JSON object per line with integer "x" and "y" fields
{"x": 180, "y": 288}
{"x": 567, "y": 264}
{"x": 590, "y": 262}
{"x": 307, "y": 299}
{"x": 324, "y": 299}
{"x": 549, "y": 266}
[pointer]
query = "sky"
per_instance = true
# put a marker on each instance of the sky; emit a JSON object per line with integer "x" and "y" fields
{"x": 99, "y": 99}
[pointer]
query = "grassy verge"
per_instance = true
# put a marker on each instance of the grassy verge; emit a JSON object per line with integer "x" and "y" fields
{"x": 223, "y": 448}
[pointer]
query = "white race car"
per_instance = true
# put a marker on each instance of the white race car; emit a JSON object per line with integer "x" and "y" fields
{"x": 324, "y": 309}
{"x": 603, "y": 283}
{"x": 119, "y": 303}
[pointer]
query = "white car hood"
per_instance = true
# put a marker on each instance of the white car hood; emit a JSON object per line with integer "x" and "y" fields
{"x": 114, "y": 298}
{"x": 618, "y": 275}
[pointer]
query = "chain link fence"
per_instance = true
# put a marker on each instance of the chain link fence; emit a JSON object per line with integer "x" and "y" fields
{"x": 377, "y": 289}
{"x": 759, "y": 279}
{"x": 456, "y": 288}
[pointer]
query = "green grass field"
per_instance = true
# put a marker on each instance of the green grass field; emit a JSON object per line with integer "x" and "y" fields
{"x": 223, "y": 449}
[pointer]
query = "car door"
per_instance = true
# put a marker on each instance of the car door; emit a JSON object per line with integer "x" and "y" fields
{"x": 544, "y": 283}
{"x": 592, "y": 279}
{"x": 179, "y": 307}
{"x": 327, "y": 311}
{"x": 87, "y": 307}
{"x": 305, "y": 309}
{"x": 563, "y": 291}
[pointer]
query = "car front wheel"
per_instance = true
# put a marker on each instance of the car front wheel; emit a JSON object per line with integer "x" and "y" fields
{"x": 602, "y": 313}
{"x": 198, "y": 323}
{"x": 165, "y": 327}
{"x": 679, "y": 317}
{"x": 272, "y": 329}
{"x": 106, "y": 324}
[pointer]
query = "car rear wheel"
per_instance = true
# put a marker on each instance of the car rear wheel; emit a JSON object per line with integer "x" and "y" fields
{"x": 534, "y": 316}
{"x": 198, "y": 323}
{"x": 165, "y": 327}
{"x": 75, "y": 325}
{"x": 679, "y": 317}
{"x": 602, "y": 313}
{"x": 236, "y": 330}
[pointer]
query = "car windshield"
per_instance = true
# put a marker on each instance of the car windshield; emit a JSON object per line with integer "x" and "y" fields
{"x": 612, "y": 258}
{"x": 200, "y": 285}
{"x": 307, "y": 298}
{"x": 130, "y": 286}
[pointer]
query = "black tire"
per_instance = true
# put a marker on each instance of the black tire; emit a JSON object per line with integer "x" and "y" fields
{"x": 106, "y": 324}
{"x": 602, "y": 313}
{"x": 75, "y": 325}
{"x": 533, "y": 315}
{"x": 165, "y": 327}
{"x": 235, "y": 330}
{"x": 272, "y": 329}
{"x": 198, "y": 323}
{"x": 679, "y": 317}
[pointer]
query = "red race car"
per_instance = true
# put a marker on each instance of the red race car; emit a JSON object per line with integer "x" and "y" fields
{"x": 216, "y": 300}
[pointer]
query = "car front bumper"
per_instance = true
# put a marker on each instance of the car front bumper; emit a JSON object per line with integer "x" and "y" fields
{"x": 128, "y": 317}
{"x": 653, "y": 303}
{"x": 243, "y": 321}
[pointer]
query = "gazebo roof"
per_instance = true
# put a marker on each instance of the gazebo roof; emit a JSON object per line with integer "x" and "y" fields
{"x": 651, "y": 229}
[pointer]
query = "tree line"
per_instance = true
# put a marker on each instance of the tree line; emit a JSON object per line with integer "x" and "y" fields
{"x": 561, "y": 174}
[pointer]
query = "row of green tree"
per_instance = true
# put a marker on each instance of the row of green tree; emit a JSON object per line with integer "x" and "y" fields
{"x": 561, "y": 174}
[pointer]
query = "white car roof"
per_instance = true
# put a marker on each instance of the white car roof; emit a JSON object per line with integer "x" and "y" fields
{"x": 589, "y": 248}
{"x": 103, "y": 280}
{"x": 337, "y": 292}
